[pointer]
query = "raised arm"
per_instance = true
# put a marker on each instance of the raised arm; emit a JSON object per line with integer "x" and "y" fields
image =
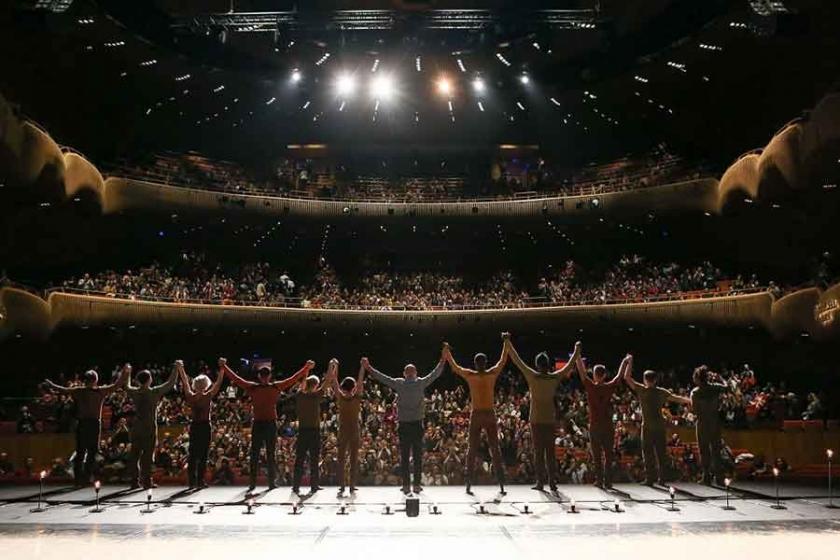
{"x": 57, "y": 388}
{"x": 167, "y": 385}
{"x": 299, "y": 376}
{"x": 378, "y": 375}
{"x": 330, "y": 377}
{"x": 628, "y": 378}
{"x": 499, "y": 366}
{"x": 359, "y": 389}
{"x": 678, "y": 399}
{"x": 458, "y": 370}
{"x": 224, "y": 369}
{"x": 626, "y": 363}
{"x": 121, "y": 381}
{"x": 217, "y": 385}
{"x": 436, "y": 372}
{"x": 567, "y": 370}
{"x": 526, "y": 370}
{"x": 186, "y": 386}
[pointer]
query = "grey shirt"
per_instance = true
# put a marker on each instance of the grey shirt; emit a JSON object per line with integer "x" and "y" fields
{"x": 411, "y": 399}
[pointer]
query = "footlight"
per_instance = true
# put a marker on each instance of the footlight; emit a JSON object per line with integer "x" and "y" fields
{"x": 148, "y": 502}
{"x": 342, "y": 510}
{"x": 829, "y": 454}
{"x": 40, "y": 493}
{"x": 778, "y": 504}
{"x": 387, "y": 510}
{"x": 671, "y": 493}
{"x": 202, "y": 508}
{"x": 249, "y": 507}
{"x": 573, "y": 506}
{"x": 435, "y": 509}
{"x": 481, "y": 509}
{"x": 726, "y": 482}
{"x": 295, "y": 509}
{"x": 617, "y": 506}
{"x": 526, "y": 508}
{"x": 97, "y": 486}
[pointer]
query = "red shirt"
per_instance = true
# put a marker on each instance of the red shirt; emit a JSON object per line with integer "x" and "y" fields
{"x": 599, "y": 397}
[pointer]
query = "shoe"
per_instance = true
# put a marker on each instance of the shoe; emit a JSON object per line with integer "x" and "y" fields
{"x": 469, "y": 489}
{"x": 296, "y": 490}
{"x": 502, "y": 490}
{"x": 203, "y": 485}
{"x": 647, "y": 482}
{"x": 353, "y": 489}
{"x": 134, "y": 486}
{"x": 271, "y": 487}
{"x": 538, "y": 487}
{"x": 417, "y": 489}
{"x": 314, "y": 489}
{"x": 406, "y": 490}
{"x": 341, "y": 490}
{"x": 553, "y": 487}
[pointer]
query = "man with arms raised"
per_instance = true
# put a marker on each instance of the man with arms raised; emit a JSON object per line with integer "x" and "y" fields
{"x": 264, "y": 394}
{"x": 652, "y": 398}
{"x": 542, "y": 384}
{"x": 705, "y": 401}
{"x": 89, "y": 399}
{"x": 199, "y": 396}
{"x": 599, "y": 394}
{"x": 348, "y": 396}
{"x": 411, "y": 410}
{"x": 482, "y": 384}
{"x": 308, "y": 444}
{"x": 144, "y": 429}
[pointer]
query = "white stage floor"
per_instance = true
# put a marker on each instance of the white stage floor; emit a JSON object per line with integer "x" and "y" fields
{"x": 699, "y": 529}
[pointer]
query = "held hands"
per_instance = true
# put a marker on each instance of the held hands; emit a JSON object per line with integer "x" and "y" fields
{"x": 365, "y": 363}
{"x": 222, "y": 363}
{"x": 127, "y": 368}
{"x": 310, "y": 364}
{"x": 506, "y": 336}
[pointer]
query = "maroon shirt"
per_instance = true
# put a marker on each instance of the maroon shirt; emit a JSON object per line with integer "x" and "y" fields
{"x": 200, "y": 406}
{"x": 599, "y": 397}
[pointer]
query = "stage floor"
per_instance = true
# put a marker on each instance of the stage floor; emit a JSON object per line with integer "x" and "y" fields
{"x": 645, "y": 525}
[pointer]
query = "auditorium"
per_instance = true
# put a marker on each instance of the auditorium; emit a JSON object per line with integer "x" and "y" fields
{"x": 401, "y": 278}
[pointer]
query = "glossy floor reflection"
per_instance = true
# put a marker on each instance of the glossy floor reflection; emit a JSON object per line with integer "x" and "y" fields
{"x": 698, "y": 528}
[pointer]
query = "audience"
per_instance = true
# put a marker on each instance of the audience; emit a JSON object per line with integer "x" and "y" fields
{"x": 633, "y": 278}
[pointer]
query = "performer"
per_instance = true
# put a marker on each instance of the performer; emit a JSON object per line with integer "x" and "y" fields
{"x": 264, "y": 395}
{"x": 144, "y": 429}
{"x": 482, "y": 384}
{"x": 308, "y": 443}
{"x": 88, "y": 400}
{"x": 652, "y": 398}
{"x": 705, "y": 401}
{"x": 599, "y": 394}
{"x": 411, "y": 410}
{"x": 348, "y": 396}
{"x": 542, "y": 384}
{"x": 199, "y": 396}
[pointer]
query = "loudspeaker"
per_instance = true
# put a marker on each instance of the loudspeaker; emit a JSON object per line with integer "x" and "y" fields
{"x": 412, "y": 507}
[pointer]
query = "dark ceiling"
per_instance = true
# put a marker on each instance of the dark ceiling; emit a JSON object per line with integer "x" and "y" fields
{"x": 712, "y": 79}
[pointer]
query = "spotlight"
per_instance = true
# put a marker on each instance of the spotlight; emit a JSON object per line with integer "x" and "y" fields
{"x": 444, "y": 86}
{"x": 345, "y": 85}
{"x": 382, "y": 87}
{"x": 296, "y": 76}
{"x": 524, "y": 79}
{"x": 478, "y": 85}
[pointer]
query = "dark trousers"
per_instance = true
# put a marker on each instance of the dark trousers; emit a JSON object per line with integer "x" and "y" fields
{"x": 601, "y": 443}
{"x": 708, "y": 440}
{"x": 653, "y": 453}
{"x": 308, "y": 445}
{"x": 411, "y": 445}
{"x": 143, "y": 445}
{"x": 87, "y": 446}
{"x": 263, "y": 433}
{"x": 198, "y": 451}
{"x": 545, "y": 461}
{"x": 349, "y": 442}
{"x": 484, "y": 421}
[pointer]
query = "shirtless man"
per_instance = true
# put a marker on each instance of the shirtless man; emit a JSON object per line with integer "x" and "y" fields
{"x": 199, "y": 396}
{"x": 144, "y": 429}
{"x": 89, "y": 399}
{"x": 482, "y": 384}
{"x": 308, "y": 444}
{"x": 705, "y": 402}
{"x": 652, "y": 398}
{"x": 348, "y": 397}
{"x": 542, "y": 385}
{"x": 264, "y": 394}
{"x": 599, "y": 394}
{"x": 411, "y": 410}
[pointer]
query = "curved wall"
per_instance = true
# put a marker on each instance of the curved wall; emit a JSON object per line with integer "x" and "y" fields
{"x": 26, "y": 153}
{"x": 791, "y": 315}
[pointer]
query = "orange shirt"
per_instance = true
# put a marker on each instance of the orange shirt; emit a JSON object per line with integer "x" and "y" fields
{"x": 482, "y": 389}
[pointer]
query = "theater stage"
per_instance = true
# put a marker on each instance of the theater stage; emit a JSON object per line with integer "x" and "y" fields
{"x": 644, "y": 524}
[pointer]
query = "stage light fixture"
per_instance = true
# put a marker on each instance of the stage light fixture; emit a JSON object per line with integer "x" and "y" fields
{"x": 444, "y": 86}
{"x": 524, "y": 79}
{"x": 382, "y": 87}
{"x": 345, "y": 84}
{"x": 296, "y": 76}
{"x": 479, "y": 86}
